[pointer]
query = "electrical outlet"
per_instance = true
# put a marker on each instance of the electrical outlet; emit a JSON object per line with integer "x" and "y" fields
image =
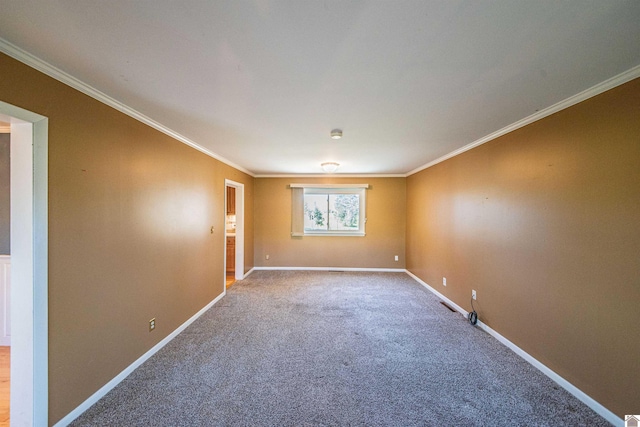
{"x": 152, "y": 324}
{"x": 473, "y": 294}
{"x": 396, "y": 257}
{"x": 266, "y": 257}
{"x": 444, "y": 281}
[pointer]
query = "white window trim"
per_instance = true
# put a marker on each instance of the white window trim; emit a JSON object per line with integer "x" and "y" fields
{"x": 333, "y": 189}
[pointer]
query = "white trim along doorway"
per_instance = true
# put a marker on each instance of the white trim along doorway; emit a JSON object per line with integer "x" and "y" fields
{"x": 29, "y": 269}
{"x": 239, "y": 254}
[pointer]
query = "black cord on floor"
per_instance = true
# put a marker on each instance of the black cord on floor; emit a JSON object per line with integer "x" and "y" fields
{"x": 472, "y": 316}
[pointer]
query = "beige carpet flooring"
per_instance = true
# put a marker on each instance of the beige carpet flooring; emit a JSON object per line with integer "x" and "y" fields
{"x": 335, "y": 349}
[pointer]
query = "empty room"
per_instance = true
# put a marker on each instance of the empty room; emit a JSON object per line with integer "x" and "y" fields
{"x": 270, "y": 212}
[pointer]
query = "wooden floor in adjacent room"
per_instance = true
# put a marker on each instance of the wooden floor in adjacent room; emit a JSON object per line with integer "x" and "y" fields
{"x": 5, "y": 357}
{"x": 230, "y": 279}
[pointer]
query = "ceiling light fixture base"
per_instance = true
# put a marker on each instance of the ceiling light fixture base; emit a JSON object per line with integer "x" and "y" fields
{"x": 329, "y": 167}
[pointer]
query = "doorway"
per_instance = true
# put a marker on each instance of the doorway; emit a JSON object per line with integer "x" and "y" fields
{"x": 234, "y": 232}
{"x": 5, "y": 273}
{"x": 29, "y": 270}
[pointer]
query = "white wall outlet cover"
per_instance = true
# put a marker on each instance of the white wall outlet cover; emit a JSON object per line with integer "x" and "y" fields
{"x": 444, "y": 281}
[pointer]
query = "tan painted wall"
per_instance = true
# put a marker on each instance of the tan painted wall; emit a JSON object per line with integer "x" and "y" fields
{"x": 130, "y": 211}
{"x": 542, "y": 222}
{"x": 385, "y": 228}
{"x": 545, "y": 224}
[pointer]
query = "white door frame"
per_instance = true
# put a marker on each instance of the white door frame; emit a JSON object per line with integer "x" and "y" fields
{"x": 29, "y": 266}
{"x": 239, "y": 271}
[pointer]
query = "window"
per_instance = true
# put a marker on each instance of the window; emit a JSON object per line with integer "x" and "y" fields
{"x": 328, "y": 210}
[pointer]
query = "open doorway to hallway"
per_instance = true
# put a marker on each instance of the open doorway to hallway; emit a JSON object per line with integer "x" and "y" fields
{"x": 234, "y": 231}
{"x": 5, "y": 273}
{"x": 28, "y": 306}
{"x": 230, "y": 231}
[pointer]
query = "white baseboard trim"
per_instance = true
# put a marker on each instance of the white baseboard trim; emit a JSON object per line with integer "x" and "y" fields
{"x": 579, "y": 394}
{"x": 248, "y": 273}
{"x": 438, "y": 294}
{"x": 373, "y": 270}
{"x": 127, "y": 371}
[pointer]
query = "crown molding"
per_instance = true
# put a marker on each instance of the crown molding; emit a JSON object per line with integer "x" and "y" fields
{"x": 48, "y": 69}
{"x": 572, "y": 100}
{"x": 5, "y": 129}
{"x": 34, "y": 62}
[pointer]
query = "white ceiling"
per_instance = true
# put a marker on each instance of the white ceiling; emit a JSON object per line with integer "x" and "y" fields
{"x": 262, "y": 83}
